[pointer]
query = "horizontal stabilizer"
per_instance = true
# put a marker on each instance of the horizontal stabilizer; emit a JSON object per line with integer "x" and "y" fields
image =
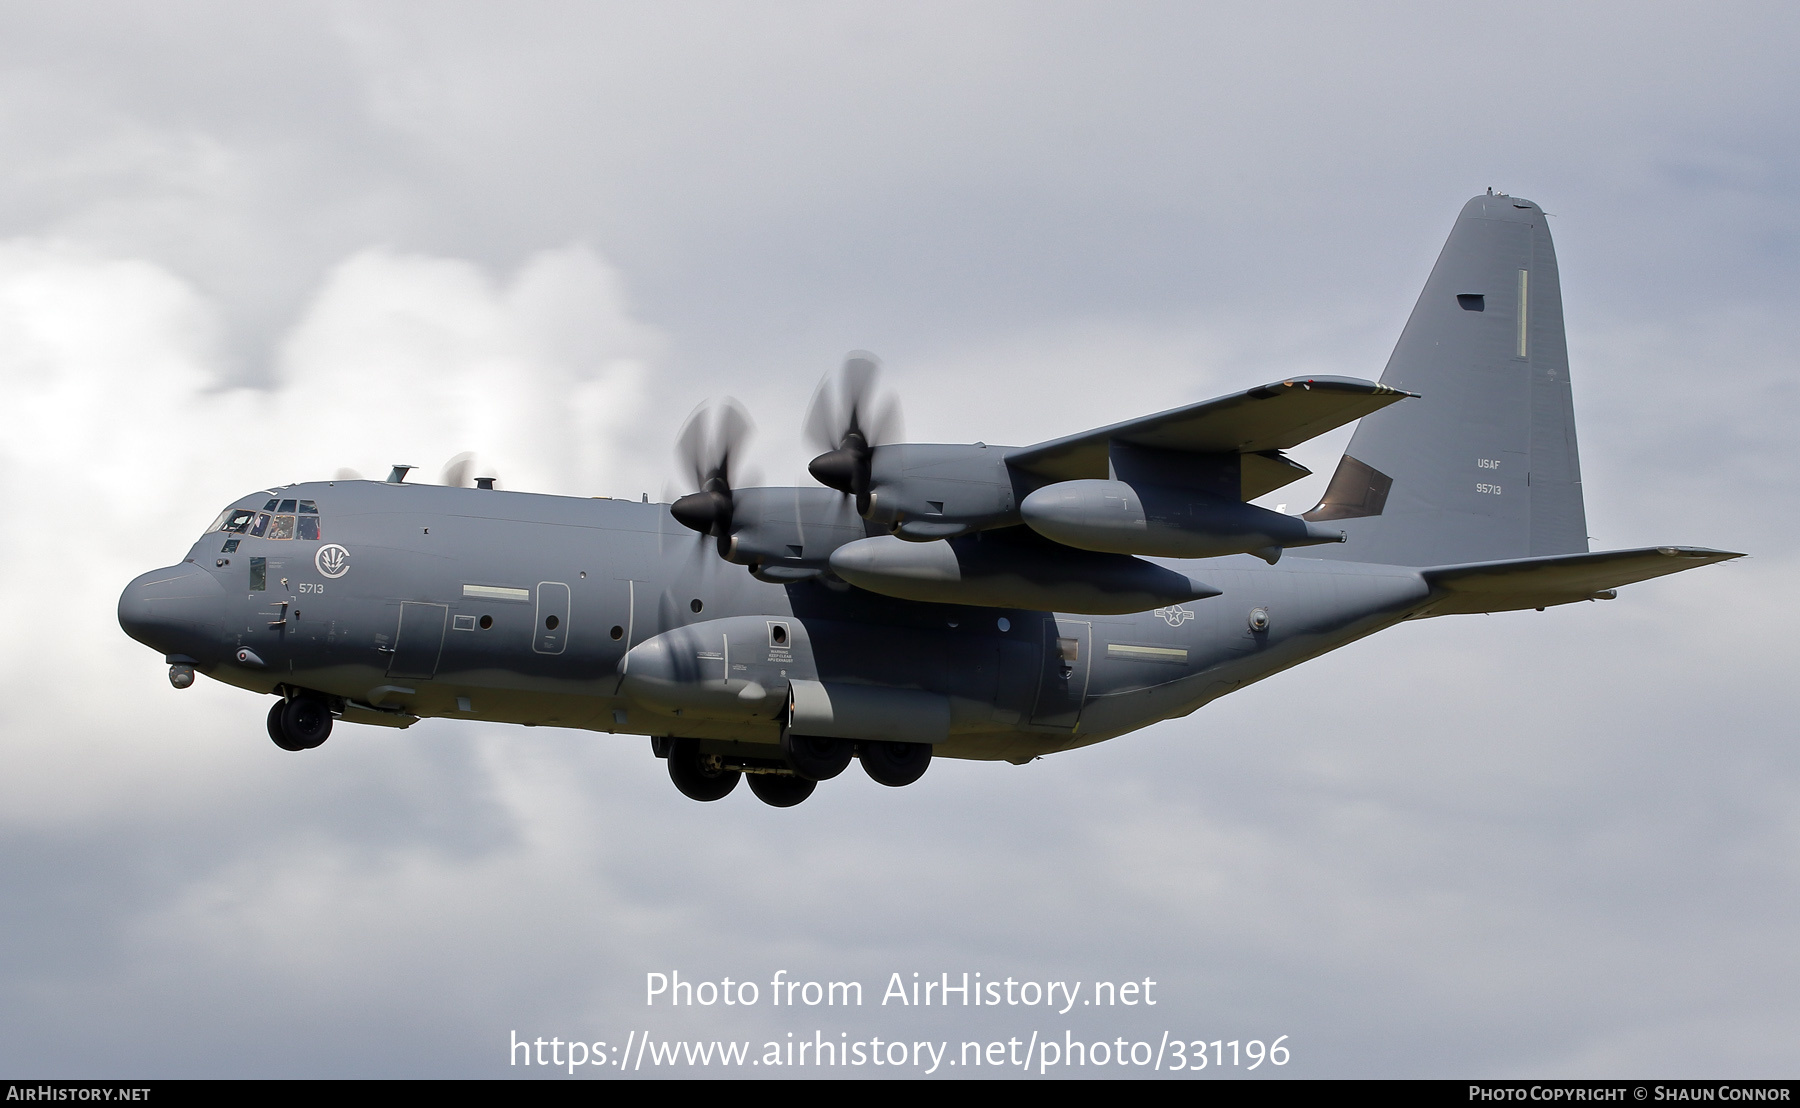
{"x": 1256, "y": 423}
{"x": 1508, "y": 586}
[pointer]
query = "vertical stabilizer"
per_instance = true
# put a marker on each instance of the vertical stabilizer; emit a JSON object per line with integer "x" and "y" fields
{"x": 1482, "y": 466}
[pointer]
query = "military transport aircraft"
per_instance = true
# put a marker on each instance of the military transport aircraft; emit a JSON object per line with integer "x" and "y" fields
{"x": 928, "y": 600}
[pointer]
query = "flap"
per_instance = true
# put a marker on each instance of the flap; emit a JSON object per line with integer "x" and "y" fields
{"x": 1259, "y": 421}
{"x": 1557, "y": 579}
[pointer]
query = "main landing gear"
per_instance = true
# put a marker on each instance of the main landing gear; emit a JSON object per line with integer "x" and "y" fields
{"x": 786, "y": 781}
{"x": 300, "y": 722}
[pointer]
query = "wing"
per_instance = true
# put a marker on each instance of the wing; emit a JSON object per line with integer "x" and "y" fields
{"x": 1256, "y": 424}
{"x": 1558, "y": 579}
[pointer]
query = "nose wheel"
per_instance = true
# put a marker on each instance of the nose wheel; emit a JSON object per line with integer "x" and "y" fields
{"x": 300, "y": 723}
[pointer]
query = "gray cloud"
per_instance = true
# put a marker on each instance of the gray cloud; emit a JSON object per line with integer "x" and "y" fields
{"x": 1524, "y": 844}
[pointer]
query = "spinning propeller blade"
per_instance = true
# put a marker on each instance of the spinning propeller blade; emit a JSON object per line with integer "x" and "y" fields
{"x": 848, "y": 418}
{"x": 710, "y": 443}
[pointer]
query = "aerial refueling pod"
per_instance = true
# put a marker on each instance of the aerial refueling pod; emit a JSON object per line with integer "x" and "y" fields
{"x": 1123, "y": 518}
{"x": 1012, "y": 568}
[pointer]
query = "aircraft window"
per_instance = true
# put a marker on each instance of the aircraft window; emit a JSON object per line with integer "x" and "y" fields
{"x": 261, "y": 525}
{"x": 230, "y": 546}
{"x": 1472, "y": 301}
{"x": 232, "y": 519}
{"x": 283, "y": 528}
{"x": 307, "y": 506}
{"x": 286, "y": 506}
{"x": 550, "y": 622}
{"x": 487, "y": 622}
{"x": 269, "y": 507}
{"x": 309, "y": 527}
{"x": 259, "y": 574}
{"x": 618, "y": 632}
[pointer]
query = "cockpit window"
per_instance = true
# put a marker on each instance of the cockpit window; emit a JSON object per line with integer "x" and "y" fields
{"x": 232, "y": 519}
{"x": 297, "y": 519}
{"x": 269, "y": 507}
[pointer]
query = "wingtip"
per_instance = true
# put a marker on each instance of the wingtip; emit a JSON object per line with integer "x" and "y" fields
{"x": 1706, "y": 553}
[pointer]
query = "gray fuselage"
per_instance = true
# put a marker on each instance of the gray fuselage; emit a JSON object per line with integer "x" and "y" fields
{"x": 521, "y": 608}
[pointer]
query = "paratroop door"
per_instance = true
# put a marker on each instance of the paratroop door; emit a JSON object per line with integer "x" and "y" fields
{"x": 1063, "y": 680}
{"x": 419, "y": 640}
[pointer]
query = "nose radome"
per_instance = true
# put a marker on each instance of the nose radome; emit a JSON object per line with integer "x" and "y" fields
{"x": 176, "y": 610}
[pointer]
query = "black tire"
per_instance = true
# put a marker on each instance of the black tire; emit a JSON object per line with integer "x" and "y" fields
{"x": 816, "y": 758}
{"x": 696, "y": 779}
{"x": 778, "y": 790}
{"x": 896, "y": 764}
{"x": 275, "y": 730}
{"x": 306, "y": 721}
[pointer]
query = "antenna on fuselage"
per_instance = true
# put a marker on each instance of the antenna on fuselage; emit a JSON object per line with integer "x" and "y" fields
{"x": 398, "y": 475}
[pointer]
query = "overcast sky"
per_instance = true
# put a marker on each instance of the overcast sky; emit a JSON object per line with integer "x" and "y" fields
{"x": 250, "y": 244}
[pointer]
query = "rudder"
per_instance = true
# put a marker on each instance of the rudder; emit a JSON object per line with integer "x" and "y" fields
{"x": 1483, "y": 465}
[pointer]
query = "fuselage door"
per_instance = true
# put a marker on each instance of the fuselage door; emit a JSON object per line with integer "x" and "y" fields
{"x": 1063, "y": 683}
{"x": 419, "y": 640}
{"x": 552, "y": 618}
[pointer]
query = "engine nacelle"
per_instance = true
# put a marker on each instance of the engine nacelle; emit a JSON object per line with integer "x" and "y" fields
{"x": 926, "y": 491}
{"x": 1122, "y": 518}
{"x": 997, "y": 570}
{"x": 792, "y": 529}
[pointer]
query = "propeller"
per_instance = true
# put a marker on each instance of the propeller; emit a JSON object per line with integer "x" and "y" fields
{"x": 709, "y": 443}
{"x": 848, "y": 419}
{"x": 458, "y": 470}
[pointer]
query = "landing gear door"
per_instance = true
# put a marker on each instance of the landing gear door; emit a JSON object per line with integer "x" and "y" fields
{"x": 419, "y": 640}
{"x": 552, "y": 635}
{"x": 1063, "y": 682}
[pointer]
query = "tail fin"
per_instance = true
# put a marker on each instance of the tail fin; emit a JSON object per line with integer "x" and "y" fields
{"x": 1483, "y": 465}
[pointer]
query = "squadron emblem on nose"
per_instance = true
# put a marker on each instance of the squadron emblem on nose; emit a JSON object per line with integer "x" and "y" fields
{"x": 332, "y": 560}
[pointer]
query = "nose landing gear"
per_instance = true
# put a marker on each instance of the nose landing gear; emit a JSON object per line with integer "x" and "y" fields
{"x": 299, "y": 723}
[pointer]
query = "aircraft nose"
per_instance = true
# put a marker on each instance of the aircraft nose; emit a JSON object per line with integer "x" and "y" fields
{"x": 175, "y": 610}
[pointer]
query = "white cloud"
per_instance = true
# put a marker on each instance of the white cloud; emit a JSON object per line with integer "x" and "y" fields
{"x": 123, "y": 443}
